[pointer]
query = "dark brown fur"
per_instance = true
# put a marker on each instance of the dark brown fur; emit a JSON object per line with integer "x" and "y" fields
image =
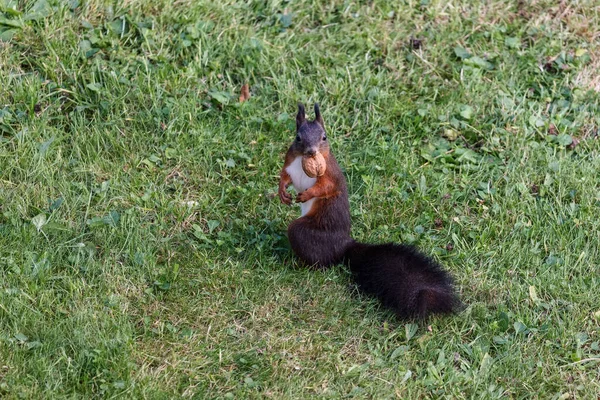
{"x": 405, "y": 280}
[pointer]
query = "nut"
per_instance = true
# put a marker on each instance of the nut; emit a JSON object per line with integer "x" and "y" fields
{"x": 314, "y": 166}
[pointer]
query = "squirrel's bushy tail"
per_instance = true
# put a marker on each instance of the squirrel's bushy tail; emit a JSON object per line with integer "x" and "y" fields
{"x": 403, "y": 279}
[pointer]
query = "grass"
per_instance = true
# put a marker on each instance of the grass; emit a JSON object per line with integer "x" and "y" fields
{"x": 142, "y": 250}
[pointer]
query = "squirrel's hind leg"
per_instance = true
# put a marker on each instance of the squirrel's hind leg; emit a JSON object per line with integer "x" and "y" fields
{"x": 316, "y": 247}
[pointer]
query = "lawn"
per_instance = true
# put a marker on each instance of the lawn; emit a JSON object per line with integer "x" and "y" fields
{"x": 142, "y": 246}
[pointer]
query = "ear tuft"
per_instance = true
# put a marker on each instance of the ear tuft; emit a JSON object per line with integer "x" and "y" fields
{"x": 318, "y": 117}
{"x": 301, "y": 117}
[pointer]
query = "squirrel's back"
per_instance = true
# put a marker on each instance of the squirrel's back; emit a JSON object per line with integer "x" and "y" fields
{"x": 322, "y": 234}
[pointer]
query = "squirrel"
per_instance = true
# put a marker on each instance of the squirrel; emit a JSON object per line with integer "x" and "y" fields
{"x": 405, "y": 280}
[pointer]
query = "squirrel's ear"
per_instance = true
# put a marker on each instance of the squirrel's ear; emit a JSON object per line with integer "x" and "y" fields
{"x": 301, "y": 117}
{"x": 318, "y": 117}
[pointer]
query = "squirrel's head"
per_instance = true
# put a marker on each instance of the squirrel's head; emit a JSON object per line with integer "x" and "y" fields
{"x": 310, "y": 135}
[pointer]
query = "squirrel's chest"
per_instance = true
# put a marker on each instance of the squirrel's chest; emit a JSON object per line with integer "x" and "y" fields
{"x": 301, "y": 182}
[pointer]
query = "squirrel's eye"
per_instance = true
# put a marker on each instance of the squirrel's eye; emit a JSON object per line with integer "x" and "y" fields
{"x": 297, "y": 138}
{"x": 324, "y": 137}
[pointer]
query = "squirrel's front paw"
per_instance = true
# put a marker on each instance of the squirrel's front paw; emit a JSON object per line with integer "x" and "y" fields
{"x": 303, "y": 197}
{"x": 285, "y": 197}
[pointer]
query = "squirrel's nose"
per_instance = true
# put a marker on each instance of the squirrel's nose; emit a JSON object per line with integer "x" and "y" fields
{"x": 311, "y": 152}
